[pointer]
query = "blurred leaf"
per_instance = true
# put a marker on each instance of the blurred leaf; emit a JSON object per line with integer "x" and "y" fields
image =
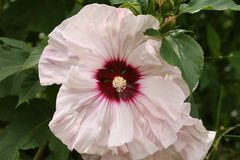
{"x": 144, "y": 3}
{"x": 235, "y": 61}
{"x": 197, "y": 5}
{"x": 25, "y": 130}
{"x": 209, "y": 77}
{"x": 7, "y": 71}
{"x": 29, "y": 88}
{"x": 10, "y": 61}
{"x": 59, "y": 150}
{"x": 7, "y": 108}
{"x": 214, "y": 41}
{"x": 15, "y": 60}
{"x": 184, "y": 52}
{"x": 12, "y": 57}
{"x": 16, "y": 43}
{"x": 75, "y": 10}
{"x": 32, "y": 60}
{"x": 12, "y": 84}
{"x": 150, "y": 7}
{"x": 38, "y": 16}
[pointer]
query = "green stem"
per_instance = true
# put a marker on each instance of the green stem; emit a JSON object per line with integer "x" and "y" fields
{"x": 231, "y": 136}
{"x": 217, "y": 140}
{"x": 40, "y": 152}
{"x": 221, "y": 57}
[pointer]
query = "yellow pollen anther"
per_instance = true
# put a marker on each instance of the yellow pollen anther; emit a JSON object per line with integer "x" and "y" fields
{"x": 119, "y": 83}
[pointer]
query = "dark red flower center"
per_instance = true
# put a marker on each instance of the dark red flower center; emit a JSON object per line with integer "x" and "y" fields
{"x": 109, "y": 76}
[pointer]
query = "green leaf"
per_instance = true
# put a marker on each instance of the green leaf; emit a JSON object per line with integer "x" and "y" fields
{"x": 29, "y": 88}
{"x": 58, "y": 149}
{"x": 7, "y": 108}
{"x": 25, "y": 131}
{"x": 12, "y": 84}
{"x": 32, "y": 60}
{"x": 15, "y": 61}
{"x": 12, "y": 57}
{"x": 151, "y": 8}
{"x": 194, "y": 107}
{"x": 16, "y": 43}
{"x": 197, "y": 5}
{"x": 214, "y": 41}
{"x": 145, "y": 3}
{"x": 7, "y": 71}
{"x": 152, "y": 32}
{"x": 184, "y": 52}
{"x": 10, "y": 61}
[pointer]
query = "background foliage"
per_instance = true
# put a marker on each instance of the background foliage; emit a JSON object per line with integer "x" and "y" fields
{"x": 26, "y": 108}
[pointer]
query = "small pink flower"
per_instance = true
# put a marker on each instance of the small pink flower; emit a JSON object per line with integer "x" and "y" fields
{"x": 118, "y": 100}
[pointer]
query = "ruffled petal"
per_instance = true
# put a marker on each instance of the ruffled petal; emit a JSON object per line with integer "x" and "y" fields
{"x": 54, "y": 64}
{"x": 164, "y": 94}
{"x": 119, "y": 132}
{"x": 73, "y": 105}
{"x": 194, "y": 140}
{"x": 101, "y": 32}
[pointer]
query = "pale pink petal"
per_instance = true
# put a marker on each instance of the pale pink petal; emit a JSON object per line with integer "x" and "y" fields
{"x": 111, "y": 33}
{"x": 164, "y": 94}
{"x": 145, "y": 59}
{"x": 54, "y": 64}
{"x": 120, "y": 133}
{"x": 194, "y": 140}
{"x": 141, "y": 146}
{"x": 167, "y": 154}
{"x": 72, "y": 106}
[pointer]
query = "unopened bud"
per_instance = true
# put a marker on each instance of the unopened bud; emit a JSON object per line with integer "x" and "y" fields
{"x": 160, "y": 2}
{"x": 166, "y": 6}
{"x": 168, "y": 24}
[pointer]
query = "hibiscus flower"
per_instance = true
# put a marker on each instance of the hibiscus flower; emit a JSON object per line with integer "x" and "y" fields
{"x": 118, "y": 98}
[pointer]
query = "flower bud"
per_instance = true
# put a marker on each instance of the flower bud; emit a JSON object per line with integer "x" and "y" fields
{"x": 160, "y": 2}
{"x": 168, "y": 24}
{"x": 166, "y": 6}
